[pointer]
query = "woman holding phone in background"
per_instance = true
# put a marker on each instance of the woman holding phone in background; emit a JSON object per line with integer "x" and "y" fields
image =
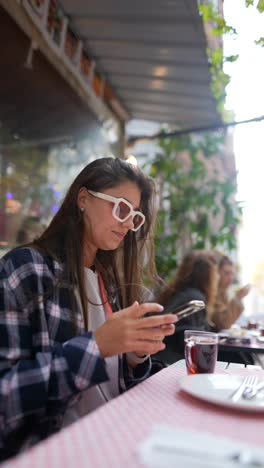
{"x": 196, "y": 279}
{"x": 63, "y": 352}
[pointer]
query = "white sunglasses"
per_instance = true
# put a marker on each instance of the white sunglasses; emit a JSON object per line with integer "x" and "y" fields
{"x": 122, "y": 210}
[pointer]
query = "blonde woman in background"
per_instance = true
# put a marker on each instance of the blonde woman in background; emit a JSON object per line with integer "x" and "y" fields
{"x": 227, "y": 310}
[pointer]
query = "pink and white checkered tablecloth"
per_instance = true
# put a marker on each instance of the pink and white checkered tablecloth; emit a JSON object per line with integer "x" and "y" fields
{"x": 109, "y": 436}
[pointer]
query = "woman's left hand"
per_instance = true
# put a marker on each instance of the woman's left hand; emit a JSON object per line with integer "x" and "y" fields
{"x": 130, "y": 330}
{"x": 164, "y": 330}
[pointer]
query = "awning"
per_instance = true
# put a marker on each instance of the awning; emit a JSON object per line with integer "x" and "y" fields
{"x": 154, "y": 55}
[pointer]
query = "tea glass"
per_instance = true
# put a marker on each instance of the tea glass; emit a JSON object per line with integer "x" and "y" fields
{"x": 200, "y": 351}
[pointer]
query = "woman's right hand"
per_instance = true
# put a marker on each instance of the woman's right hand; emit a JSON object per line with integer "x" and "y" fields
{"x": 128, "y": 330}
{"x": 242, "y": 292}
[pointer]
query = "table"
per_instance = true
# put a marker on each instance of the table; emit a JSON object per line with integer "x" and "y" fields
{"x": 221, "y": 365}
{"x": 108, "y": 437}
{"x": 254, "y": 349}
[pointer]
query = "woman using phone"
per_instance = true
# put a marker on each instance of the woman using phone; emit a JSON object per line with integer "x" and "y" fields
{"x": 195, "y": 279}
{"x": 72, "y": 325}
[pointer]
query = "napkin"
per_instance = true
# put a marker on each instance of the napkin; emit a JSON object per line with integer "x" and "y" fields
{"x": 169, "y": 447}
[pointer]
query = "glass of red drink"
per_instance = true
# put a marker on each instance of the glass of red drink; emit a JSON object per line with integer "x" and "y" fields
{"x": 252, "y": 324}
{"x": 200, "y": 351}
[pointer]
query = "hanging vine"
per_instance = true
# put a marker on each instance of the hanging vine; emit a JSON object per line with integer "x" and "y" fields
{"x": 218, "y": 27}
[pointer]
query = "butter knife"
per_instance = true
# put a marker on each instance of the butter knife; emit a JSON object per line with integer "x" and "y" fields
{"x": 239, "y": 391}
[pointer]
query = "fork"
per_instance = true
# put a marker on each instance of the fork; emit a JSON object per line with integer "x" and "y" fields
{"x": 250, "y": 387}
{"x": 249, "y": 382}
{"x": 241, "y": 457}
{"x": 253, "y": 391}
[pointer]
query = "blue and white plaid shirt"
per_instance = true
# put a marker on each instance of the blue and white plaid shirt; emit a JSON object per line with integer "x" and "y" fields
{"x": 45, "y": 361}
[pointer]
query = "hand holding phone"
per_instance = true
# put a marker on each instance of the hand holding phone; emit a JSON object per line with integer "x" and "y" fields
{"x": 242, "y": 292}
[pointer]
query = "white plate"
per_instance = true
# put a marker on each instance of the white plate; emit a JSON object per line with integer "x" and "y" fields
{"x": 217, "y": 388}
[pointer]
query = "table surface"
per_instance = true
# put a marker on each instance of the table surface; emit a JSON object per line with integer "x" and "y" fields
{"x": 232, "y": 366}
{"x": 254, "y": 347}
{"x": 108, "y": 437}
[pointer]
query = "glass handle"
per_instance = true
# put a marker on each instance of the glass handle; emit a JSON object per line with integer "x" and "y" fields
{"x": 188, "y": 354}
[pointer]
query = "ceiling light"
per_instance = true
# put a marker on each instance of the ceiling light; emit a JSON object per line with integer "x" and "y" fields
{"x": 157, "y": 84}
{"x": 160, "y": 71}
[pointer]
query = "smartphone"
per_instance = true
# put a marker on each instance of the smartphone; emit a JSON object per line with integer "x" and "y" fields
{"x": 183, "y": 310}
{"x": 189, "y": 308}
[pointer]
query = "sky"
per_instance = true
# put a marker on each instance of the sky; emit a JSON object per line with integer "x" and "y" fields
{"x": 245, "y": 95}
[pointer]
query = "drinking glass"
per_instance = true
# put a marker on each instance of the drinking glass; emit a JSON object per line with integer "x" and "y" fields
{"x": 200, "y": 351}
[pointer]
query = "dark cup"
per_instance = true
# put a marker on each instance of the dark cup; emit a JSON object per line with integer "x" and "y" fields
{"x": 252, "y": 324}
{"x": 200, "y": 351}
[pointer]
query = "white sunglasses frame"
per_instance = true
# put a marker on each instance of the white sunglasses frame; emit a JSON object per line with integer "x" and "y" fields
{"x": 116, "y": 201}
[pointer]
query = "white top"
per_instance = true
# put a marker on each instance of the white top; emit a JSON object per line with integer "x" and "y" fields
{"x": 97, "y": 395}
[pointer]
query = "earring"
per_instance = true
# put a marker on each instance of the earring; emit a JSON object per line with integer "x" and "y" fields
{"x": 82, "y": 209}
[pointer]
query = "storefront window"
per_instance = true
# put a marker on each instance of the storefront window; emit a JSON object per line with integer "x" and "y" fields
{"x": 33, "y": 182}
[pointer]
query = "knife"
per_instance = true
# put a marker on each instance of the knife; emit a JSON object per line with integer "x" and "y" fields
{"x": 239, "y": 391}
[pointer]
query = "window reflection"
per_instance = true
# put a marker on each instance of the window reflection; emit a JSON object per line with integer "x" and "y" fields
{"x": 33, "y": 182}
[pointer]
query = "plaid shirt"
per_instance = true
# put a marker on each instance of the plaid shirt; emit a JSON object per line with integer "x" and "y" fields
{"x": 45, "y": 362}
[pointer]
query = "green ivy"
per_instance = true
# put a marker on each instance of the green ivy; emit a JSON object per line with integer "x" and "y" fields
{"x": 218, "y": 23}
{"x": 249, "y": 2}
{"x": 191, "y": 200}
{"x": 260, "y": 8}
{"x": 260, "y": 4}
{"x": 260, "y": 41}
{"x": 219, "y": 27}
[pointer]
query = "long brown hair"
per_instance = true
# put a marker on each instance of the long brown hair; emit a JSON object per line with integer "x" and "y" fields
{"x": 122, "y": 269}
{"x": 198, "y": 270}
